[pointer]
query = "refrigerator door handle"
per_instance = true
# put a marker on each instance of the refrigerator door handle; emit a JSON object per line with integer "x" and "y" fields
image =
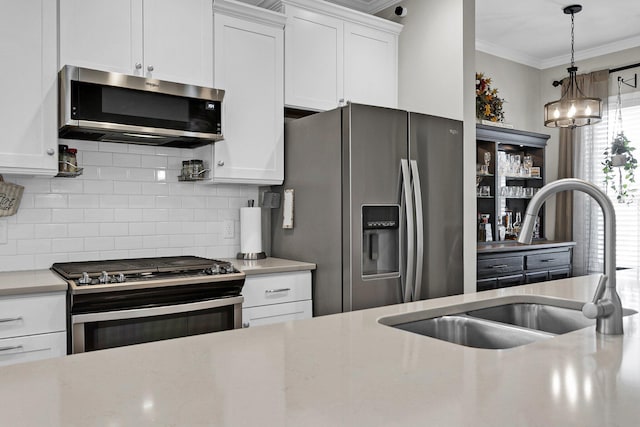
{"x": 406, "y": 194}
{"x": 417, "y": 193}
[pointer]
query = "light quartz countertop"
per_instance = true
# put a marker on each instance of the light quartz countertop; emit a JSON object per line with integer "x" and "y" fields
{"x": 344, "y": 370}
{"x": 270, "y": 265}
{"x": 30, "y": 282}
{"x": 512, "y": 246}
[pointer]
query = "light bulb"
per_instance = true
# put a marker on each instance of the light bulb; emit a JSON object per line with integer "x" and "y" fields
{"x": 572, "y": 111}
{"x": 556, "y": 113}
{"x": 587, "y": 111}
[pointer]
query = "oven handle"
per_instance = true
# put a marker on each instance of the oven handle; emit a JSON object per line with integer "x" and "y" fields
{"x": 155, "y": 311}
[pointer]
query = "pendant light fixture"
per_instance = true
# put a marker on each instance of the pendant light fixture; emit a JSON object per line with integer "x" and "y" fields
{"x": 573, "y": 109}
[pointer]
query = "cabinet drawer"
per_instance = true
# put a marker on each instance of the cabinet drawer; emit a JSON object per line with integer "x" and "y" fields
{"x": 275, "y": 313}
{"x": 32, "y": 314}
{"x": 264, "y": 289}
{"x": 499, "y": 266}
{"x": 547, "y": 260}
{"x": 486, "y": 284}
{"x": 537, "y": 276}
{"x": 506, "y": 281}
{"x": 32, "y": 347}
{"x": 559, "y": 273}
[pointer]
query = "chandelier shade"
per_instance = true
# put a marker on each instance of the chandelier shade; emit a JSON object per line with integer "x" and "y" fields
{"x": 573, "y": 109}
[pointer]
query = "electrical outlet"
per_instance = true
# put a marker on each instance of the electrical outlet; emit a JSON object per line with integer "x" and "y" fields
{"x": 228, "y": 231}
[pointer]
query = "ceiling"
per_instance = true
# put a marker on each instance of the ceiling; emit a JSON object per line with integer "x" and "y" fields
{"x": 537, "y": 32}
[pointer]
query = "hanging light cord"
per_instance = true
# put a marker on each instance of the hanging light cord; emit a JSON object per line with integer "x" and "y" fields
{"x": 572, "y": 50}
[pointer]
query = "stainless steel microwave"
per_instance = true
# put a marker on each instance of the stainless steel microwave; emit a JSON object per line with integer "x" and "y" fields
{"x": 103, "y": 106}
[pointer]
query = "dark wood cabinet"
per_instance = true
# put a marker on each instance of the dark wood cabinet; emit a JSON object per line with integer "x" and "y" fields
{"x": 504, "y": 264}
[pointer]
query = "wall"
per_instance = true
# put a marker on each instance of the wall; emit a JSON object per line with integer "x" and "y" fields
{"x": 519, "y": 86}
{"x": 436, "y": 63}
{"x": 127, "y": 203}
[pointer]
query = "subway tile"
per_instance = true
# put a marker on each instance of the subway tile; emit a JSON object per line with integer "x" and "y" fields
{"x": 142, "y": 253}
{"x": 142, "y": 228}
{"x": 182, "y": 188}
{"x": 72, "y": 244}
{"x": 114, "y": 229}
{"x": 194, "y": 202}
{"x": 141, "y": 149}
{"x": 127, "y": 215}
{"x": 142, "y": 174}
{"x": 217, "y": 202}
{"x": 84, "y": 256}
{"x": 99, "y": 243}
{"x": 157, "y": 241}
{"x": 88, "y": 172}
{"x": 127, "y": 187}
{"x": 170, "y": 151}
{"x": 205, "y": 214}
{"x": 168, "y": 202}
{"x": 36, "y": 185}
{"x": 84, "y": 201}
{"x": 113, "y": 173}
{"x": 113, "y": 147}
{"x": 169, "y": 252}
{"x": 33, "y": 246}
{"x": 155, "y": 188}
{"x": 194, "y": 227}
{"x": 204, "y": 189}
{"x": 73, "y": 186}
{"x": 34, "y": 216}
{"x": 128, "y": 242}
{"x": 142, "y": 202}
{"x": 180, "y": 214}
{"x": 155, "y": 215}
{"x": 8, "y": 249}
{"x": 240, "y": 202}
{"x": 98, "y": 187}
{"x": 98, "y": 215}
{"x": 163, "y": 176}
{"x": 114, "y": 201}
{"x": 44, "y": 231}
{"x": 83, "y": 230}
{"x": 206, "y": 239}
{"x": 97, "y": 158}
{"x": 180, "y": 240}
{"x": 153, "y": 162}
{"x": 67, "y": 216}
{"x": 164, "y": 227}
{"x": 17, "y": 262}
{"x": 21, "y": 231}
{"x": 27, "y": 201}
{"x": 114, "y": 254}
{"x": 233, "y": 214}
{"x": 49, "y": 259}
{"x": 84, "y": 146}
{"x": 50, "y": 201}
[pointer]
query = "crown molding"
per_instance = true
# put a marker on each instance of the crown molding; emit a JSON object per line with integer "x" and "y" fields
{"x": 506, "y": 53}
{"x": 601, "y": 50}
{"x": 247, "y": 11}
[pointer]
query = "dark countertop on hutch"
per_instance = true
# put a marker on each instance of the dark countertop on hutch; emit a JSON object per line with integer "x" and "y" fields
{"x": 513, "y": 246}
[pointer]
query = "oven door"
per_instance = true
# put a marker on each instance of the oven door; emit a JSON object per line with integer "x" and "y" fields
{"x": 97, "y": 331}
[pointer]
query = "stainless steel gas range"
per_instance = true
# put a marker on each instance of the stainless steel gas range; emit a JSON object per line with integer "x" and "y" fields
{"x": 120, "y": 302}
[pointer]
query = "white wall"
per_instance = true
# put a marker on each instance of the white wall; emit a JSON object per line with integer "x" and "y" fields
{"x": 519, "y": 86}
{"x": 127, "y": 203}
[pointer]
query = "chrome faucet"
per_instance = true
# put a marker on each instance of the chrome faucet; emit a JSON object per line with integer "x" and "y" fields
{"x": 605, "y": 306}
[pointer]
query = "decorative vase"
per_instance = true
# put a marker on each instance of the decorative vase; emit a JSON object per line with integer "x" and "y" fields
{"x": 618, "y": 160}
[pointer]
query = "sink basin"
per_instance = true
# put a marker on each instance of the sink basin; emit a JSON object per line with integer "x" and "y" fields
{"x": 541, "y": 317}
{"x": 498, "y": 323}
{"x": 470, "y": 332}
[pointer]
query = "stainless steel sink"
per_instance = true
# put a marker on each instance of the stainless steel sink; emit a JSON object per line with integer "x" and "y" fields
{"x": 541, "y": 317}
{"x": 470, "y": 332}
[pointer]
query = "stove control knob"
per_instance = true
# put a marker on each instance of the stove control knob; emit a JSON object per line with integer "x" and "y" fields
{"x": 85, "y": 279}
{"x": 119, "y": 278}
{"x": 208, "y": 271}
{"x": 104, "y": 277}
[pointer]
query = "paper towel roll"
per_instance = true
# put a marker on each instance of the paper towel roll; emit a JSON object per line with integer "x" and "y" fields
{"x": 250, "y": 230}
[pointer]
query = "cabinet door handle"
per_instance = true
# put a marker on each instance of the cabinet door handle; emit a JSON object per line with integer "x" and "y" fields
{"x": 11, "y": 347}
{"x": 220, "y": 163}
{"x": 245, "y": 324}
{"x": 10, "y": 319}
{"x": 500, "y": 266}
{"x": 273, "y": 291}
{"x": 150, "y": 68}
{"x": 547, "y": 260}
{"x": 138, "y": 66}
{"x": 51, "y": 151}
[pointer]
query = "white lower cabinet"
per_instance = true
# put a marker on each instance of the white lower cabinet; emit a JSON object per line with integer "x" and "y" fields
{"x": 276, "y": 297}
{"x": 32, "y": 327}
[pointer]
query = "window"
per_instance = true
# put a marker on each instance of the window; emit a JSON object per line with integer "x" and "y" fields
{"x": 598, "y": 138}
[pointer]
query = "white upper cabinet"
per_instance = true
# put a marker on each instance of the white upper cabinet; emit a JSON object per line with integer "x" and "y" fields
{"x": 28, "y": 108}
{"x": 335, "y": 55}
{"x": 161, "y": 39}
{"x": 249, "y": 48}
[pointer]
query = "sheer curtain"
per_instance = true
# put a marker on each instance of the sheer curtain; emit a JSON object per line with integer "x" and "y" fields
{"x": 577, "y": 216}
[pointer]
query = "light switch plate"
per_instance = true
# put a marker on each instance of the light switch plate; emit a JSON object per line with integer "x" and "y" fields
{"x": 4, "y": 231}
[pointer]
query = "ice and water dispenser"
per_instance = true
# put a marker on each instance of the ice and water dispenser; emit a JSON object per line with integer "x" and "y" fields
{"x": 380, "y": 241}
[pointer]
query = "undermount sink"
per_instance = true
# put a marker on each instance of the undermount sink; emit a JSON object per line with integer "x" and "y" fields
{"x": 496, "y": 324}
{"x": 470, "y": 332}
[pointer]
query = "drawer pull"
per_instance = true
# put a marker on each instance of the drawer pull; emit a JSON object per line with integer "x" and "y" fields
{"x": 547, "y": 260}
{"x": 10, "y": 319}
{"x": 9, "y": 348}
{"x": 500, "y": 266}
{"x": 274, "y": 291}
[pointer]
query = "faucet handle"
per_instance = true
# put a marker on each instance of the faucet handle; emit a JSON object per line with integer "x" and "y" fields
{"x": 596, "y": 308}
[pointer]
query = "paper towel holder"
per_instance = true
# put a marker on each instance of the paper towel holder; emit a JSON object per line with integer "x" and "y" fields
{"x": 251, "y": 255}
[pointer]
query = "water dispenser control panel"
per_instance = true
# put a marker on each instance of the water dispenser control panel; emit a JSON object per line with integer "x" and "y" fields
{"x": 380, "y": 241}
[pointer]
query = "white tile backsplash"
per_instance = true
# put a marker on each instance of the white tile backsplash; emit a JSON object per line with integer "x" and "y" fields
{"x": 127, "y": 203}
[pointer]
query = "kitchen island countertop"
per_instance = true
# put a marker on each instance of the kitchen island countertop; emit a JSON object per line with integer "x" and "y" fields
{"x": 344, "y": 370}
{"x": 269, "y": 265}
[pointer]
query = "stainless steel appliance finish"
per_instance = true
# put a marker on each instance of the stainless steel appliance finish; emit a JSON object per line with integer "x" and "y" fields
{"x": 106, "y": 106}
{"x": 353, "y": 169}
{"x": 129, "y": 301}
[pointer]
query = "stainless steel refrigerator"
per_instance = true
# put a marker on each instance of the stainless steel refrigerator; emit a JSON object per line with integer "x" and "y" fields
{"x": 377, "y": 205}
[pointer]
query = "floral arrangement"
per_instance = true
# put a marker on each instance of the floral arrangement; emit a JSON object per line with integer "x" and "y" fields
{"x": 488, "y": 103}
{"x": 621, "y": 158}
